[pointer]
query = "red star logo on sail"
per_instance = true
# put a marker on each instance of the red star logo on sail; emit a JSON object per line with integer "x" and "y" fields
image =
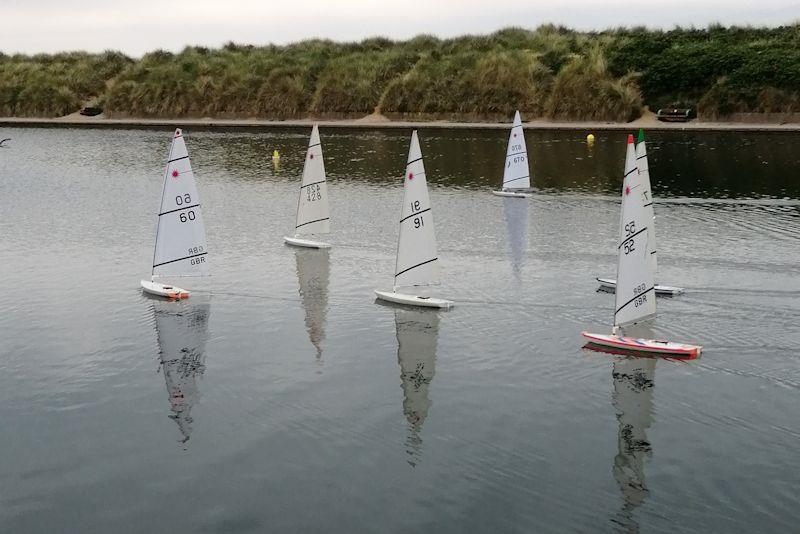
{"x": 627, "y": 190}
{"x": 175, "y": 173}
{"x": 310, "y": 156}
{"x": 411, "y": 176}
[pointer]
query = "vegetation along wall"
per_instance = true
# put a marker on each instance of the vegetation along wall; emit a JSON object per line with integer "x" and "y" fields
{"x": 549, "y": 72}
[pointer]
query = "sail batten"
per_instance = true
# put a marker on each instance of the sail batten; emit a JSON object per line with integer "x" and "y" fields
{"x": 180, "y": 248}
{"x": 516, "y": 170}
{"x": 417, "y": 259}
{"x": 313, "y": 211}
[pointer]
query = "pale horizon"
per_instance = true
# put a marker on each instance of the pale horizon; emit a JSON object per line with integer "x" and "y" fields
{"x": 48, "y": 26}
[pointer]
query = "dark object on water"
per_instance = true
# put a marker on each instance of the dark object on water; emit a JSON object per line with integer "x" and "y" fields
{"x": 4, "y": 140}
{"x": 91, "y": 112}
{"x": 674, "y": 114}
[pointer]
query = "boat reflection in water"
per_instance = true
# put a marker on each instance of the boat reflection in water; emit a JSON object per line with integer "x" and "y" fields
{"x": 633, "y": 400}
{"x": 516, "y": 212}
{"x": 182, "y": 329}
{"x": 313, "y": 273}
{"x": 417, "y": 335}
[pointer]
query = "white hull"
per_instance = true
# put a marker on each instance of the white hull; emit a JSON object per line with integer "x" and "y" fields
{"x": 164, "y": 290}
{"x": 610, "y": 285}
{"x": 307, "y": 243}
{"x": 513, "y": 194}
{"x": 413, "y": 300}
{"x": 651, "y": 346}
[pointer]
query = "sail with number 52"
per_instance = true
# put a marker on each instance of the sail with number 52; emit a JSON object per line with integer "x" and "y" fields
{"x": 181, "y": 248}
{"x": 417, "y": 261}
{"x": 635, "y": 294}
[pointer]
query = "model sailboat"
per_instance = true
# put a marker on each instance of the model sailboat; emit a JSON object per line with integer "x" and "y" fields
{"x": 517, "y": 175}
{"x": 608, "y": 284}
{"x": 313, "y": 213}
{"x": 180, "y": 236}
{"x": 635, "y": 295}
{"x": 417, "y": 262}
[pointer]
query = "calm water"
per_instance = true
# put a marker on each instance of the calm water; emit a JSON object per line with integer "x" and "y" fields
{"x": 287, "y": 400}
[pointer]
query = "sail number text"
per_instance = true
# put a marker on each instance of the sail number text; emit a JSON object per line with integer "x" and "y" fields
{"x": 640, "y": 296}
{"x": 180, "y": 200}
{"x": 515, "y": 159}
{"x": 418, "y": 221}
{"x": 187, "y": 216}
{"x": 630, "y": 229}
{"x": 313, "y": 193}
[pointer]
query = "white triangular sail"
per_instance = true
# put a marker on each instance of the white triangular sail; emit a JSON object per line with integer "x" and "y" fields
{"x": 182, "y": 330}
{"x": 181, "y": 248}
{"x": 417, "y": 336}
{"x": 417, "y": 261}
{"x": 647, "y": 197}
{"x": 635, "y": 294}
{"x": 313, "y": 212}
{"x": 517, "y": 174}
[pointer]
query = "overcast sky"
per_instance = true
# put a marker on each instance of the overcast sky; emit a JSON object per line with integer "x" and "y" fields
{"x": 139, "y": 26}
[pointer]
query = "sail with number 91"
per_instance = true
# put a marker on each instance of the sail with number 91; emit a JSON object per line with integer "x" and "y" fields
{"x": 417, "y": 261}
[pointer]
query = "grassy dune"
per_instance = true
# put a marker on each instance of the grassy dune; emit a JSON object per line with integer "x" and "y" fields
{"x": 549, "y": 72}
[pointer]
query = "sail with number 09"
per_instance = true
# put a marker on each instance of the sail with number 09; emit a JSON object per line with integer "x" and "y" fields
{"x": 635, "y": 297}
{"x": 313, "y": 212}
{"x": 417, "y": 261}
{"x": 180, "y": 248}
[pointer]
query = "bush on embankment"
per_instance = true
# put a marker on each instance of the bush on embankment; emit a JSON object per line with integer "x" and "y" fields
{"x": 54, "y": 85}
{"x": 550, "y": 72}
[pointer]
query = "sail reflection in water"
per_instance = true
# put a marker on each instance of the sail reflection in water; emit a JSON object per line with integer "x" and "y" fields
{"x": 633, "y": 401}
{"x": 313, "y": 273}
{"x": 417, "y": 335}
{"x": 182, "y": 329}
{"x": 516, "y": 212}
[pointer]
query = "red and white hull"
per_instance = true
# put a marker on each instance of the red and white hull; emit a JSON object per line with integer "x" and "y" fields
{"x": 653, "y": 346}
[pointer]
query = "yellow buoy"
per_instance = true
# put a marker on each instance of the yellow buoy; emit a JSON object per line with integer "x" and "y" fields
{"x": 276, "y": 155}
{"x": 590, "y": 139}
